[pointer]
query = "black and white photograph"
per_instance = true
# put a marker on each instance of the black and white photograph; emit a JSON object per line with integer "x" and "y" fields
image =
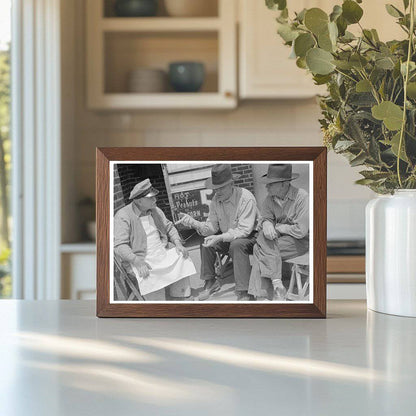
{"x": 211, "y": 232}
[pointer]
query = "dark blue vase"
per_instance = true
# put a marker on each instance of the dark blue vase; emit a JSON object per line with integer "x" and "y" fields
{"x": 135, "y": 8}
{"x": 186, "y": 76}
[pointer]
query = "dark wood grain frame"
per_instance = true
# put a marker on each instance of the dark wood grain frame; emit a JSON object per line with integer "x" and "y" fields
{"x": 317, "y": 309}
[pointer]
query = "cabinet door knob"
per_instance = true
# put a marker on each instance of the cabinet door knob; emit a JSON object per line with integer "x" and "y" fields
{"x": 229, "y": 94}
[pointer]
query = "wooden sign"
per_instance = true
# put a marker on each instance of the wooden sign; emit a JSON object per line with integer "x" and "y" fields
{"x": 193, "y": 202}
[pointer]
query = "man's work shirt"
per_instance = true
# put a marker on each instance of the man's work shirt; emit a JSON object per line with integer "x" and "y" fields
{"x": 235, "y": 218}
{"x": 290, "y": 215}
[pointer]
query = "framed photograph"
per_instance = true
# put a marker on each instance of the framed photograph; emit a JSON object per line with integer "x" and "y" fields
{"x": 211, "y": 232}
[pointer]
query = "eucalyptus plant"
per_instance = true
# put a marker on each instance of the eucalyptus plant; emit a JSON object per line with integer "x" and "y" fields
{"x": 369, "y": 112}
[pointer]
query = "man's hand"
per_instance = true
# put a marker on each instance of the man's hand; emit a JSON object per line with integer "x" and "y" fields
{"x": 180, "y": 249}
{"x": 143, "y": 268}
{"x": 269, "y": 230}
{"x": 188, "y": 221}
{"x": 211, "y": 240}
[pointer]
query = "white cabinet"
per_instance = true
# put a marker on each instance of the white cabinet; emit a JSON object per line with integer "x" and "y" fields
{"x": 265, "y": 70}
{"x": 118, "y": 45}
{"x": 78, "y": 264}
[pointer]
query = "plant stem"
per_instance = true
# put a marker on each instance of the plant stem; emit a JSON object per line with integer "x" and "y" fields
{"x": 406, "y": 79}
{"x": 373, "y": 90}
{"x": 345, "y": 75}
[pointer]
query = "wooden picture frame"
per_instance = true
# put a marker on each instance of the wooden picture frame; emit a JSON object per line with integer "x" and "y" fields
{"x": 316, "y": 308}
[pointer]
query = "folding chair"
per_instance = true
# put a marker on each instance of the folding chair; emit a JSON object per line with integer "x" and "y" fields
{"x": 300, "y": 267}
{"x": 125, "y": 288}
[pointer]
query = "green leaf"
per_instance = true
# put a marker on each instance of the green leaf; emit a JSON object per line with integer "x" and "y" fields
{"x": 336, "y": 12}
{"x": 377, "y": 74}
{"x": 412, "y": 67}
{"x": 300, "y": 17}
{"x": 301, "y": 63}
{"x": 363, "y": 86}
{"x": 368, "y": 36}
{"x": 316, "y": 20}
{"x": 358, "y": 61}
{"x": 343, "y": 145}
{"x": 394, "y": 144}
{"x": 347, "y": 37}
{"x": 342, "y": 25}
{"x": 319, "y": 61}
{"x": 286, "y": 32}
{"x": 351, "y": 11}
{"x": 364, "y": 181}
{"x": 411, "y": 90}
{"x": 321, "y": 79}
{"x": 374, "y": 175}
{"x": 276, "y": 4}
{"x": 393, "y": 11}
{"x": 374, "y": 150}
{"x": 327, "y": 40}
{"x": 390, "y": 113}
{"x": 406, "y": 4}
{"x": 358, "y": 160}
{"x": 375, "y": 35}
{"x": 396, "y": 70}
{"x": 343, "y": 65}
{"x": 361, "y": 99}
{"x": 325, "y": 43}
{"x": 333, "y": 32}
{"x": 303, "y": 43}
{"x": 354, "y": 131}
{"x": 385, "y": 63}
{"x": 382, "y": 88}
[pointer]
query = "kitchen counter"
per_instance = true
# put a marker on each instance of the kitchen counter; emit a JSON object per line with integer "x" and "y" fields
{"x": 57, "y": 358}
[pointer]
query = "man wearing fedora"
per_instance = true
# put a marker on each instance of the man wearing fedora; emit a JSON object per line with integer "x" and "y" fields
{"x": 141, "y": 236}
{"x": 230, "y": 228}
{"x": 284, "y": 232}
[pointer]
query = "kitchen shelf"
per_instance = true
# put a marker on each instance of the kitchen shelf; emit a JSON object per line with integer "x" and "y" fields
{"x": 159, "y": 24}
{"x": 116, "y": 46}
{"x": 130, "y": 101}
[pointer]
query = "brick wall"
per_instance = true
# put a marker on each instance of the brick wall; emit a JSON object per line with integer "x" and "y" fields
{"x": 162, "y": 197}
{"x": 246, "y": 179}
{"x": 129, "y": 177}
{"x": 131, "y": 174}
{"x": 118, "y": 191}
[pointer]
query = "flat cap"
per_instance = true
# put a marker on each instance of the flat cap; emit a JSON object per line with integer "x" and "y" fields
{"x": 143, "y": 189}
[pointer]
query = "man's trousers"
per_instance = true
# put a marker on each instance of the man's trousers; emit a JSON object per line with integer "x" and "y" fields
{"x": 239, "y": 250}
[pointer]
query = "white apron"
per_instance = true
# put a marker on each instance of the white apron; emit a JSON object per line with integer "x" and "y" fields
{"x": 167, "y": 265}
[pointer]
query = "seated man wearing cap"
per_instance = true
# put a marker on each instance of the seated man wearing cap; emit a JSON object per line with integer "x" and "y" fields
{"x": 284, "y": 232}
{"x": 141, "y": 235}
{"x": 230, "y": 228}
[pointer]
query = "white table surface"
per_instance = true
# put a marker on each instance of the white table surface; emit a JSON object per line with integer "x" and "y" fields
{"x": 57, "y": 358}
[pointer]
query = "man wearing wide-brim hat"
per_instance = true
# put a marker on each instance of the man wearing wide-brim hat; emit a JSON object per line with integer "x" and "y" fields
{"x": 284, "y": 232}
{"x": 230, "y": 228}
{"x": 141, "y": 237}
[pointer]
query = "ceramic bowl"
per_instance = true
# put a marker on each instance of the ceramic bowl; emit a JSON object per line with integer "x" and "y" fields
{"x": 186, "y": 76}
{"x": 147, "y": 80}
{"x": 135, "y": 8}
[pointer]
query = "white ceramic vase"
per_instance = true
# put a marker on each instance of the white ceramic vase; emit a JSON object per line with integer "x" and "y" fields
{"x": 391, "y": 253}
